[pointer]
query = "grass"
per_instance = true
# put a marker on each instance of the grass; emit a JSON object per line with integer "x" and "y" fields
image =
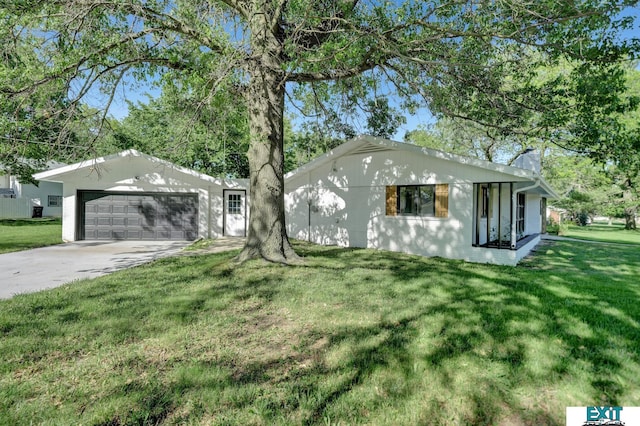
{"x": 614, "y": 233}
{"x": 23, "y": 234}
{"x": 354, "y": 337}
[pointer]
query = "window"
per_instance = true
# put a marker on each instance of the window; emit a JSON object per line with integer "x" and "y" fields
{"x": 520, "y": 215}
{"x": 484, "y": 202}
{"x": 234, "y": 204}
{"x": 54, "y": 200}
{"x": 416, "y": 200}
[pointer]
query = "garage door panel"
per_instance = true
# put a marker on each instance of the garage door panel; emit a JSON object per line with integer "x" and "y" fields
{"x": 139, "y": 216}
{"x": 134, "y": 234}
{"x": 148, "y": 235}
{"x": 133, "y": 221}
{"x": 104, "y": 208}
{"x": 104, "y": 234}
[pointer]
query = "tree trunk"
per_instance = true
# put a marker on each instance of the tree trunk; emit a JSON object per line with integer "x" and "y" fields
{"x": 267, "y": 234}
{"x": 630, "y": 218}
{"x": 630, "y": 209}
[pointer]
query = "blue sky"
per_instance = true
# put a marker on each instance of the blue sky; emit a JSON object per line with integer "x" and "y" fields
{"x": 119, "y": 107}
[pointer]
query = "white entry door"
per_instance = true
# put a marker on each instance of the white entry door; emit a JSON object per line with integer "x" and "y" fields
{"x": 235, "y": 213}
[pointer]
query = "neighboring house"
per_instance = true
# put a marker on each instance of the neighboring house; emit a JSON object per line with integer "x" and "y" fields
{"x": 376, "y": 193}
{"x": 368, "y": 192}
{"x": 556, "y": 215}
{"x": 17, "y": 200}
{"x": 134, "y": 196}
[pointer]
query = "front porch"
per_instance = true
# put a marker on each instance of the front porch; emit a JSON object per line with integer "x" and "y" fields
{"x": 507, "y": 215}
{"x": 506, "y": 245}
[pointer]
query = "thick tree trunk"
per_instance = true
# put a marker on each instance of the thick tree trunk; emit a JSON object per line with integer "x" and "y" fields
{"x": 267, "y": 234}
{"x": 630, "y": 210}
{"x": 630, "y": 218}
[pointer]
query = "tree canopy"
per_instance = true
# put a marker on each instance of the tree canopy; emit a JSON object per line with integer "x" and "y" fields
{"x": 211, "y": 138}
{"x": 474, "y": 59}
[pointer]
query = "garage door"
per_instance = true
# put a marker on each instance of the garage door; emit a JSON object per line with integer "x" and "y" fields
{"x": 136, "y": 216}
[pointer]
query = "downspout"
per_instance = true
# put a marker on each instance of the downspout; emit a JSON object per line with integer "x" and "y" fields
{"x": 209, "y": 212}
{"x": 514, "y": 206}
{"x": 309, "y": 207}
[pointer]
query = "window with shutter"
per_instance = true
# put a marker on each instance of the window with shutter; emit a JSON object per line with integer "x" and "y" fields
{"x": 392, "y": 201}
{"x": 442, "y": 200}
{"x": 417, "y": 200}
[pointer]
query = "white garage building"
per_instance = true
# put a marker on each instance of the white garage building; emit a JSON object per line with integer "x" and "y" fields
{"x": 134, "y": 196}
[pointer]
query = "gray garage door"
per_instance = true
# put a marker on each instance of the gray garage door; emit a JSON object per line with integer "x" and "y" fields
{"x": 136, "y": 216}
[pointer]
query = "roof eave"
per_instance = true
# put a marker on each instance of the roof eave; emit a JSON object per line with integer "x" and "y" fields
{"x": 57, "y": 175}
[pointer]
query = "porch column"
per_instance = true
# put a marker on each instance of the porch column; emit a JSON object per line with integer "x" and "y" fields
{"x": 499, "y": 215}
{"x": 512, "y": 240}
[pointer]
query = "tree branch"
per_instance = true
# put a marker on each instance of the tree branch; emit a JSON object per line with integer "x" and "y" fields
{"x": 78, "y": 63}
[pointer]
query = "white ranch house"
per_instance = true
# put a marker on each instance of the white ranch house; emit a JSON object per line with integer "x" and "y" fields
{"x": 368, "y": 192}
{"x": 376, "y": 193}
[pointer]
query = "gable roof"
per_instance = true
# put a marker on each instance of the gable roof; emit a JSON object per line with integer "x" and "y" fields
{"x": 370, "y": 144}
{"x": 93, "y": 166}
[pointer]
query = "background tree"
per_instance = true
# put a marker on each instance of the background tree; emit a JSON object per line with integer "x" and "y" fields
{"x": 211, "y": 138}
{"x": 462, "y": 58}
{"x": 470, "y": 138}
{"x": 569, "y": 141}
{"x": 325, "y": 128}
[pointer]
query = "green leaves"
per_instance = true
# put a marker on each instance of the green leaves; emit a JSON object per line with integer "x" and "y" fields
{"x": 547, "y": 69}
{"x": 206, "y": 134}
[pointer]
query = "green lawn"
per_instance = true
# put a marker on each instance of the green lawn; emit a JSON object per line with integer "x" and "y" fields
{"x": 353, "y": 337}
{"x": 614, "y": 233}
{"x": 23, "y": 234}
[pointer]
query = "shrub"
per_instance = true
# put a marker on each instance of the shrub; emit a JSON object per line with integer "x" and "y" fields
{"x": 582, "y": 219}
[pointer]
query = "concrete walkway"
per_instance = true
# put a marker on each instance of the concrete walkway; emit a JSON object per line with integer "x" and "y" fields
{"x": 47, "y": 267}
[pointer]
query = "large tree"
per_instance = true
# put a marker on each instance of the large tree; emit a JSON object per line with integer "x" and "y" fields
{"x": 461, "y": 57}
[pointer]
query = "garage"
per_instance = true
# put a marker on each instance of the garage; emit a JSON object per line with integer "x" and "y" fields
{"x": 134, "y": 196}
{"x": 137, "y": 216}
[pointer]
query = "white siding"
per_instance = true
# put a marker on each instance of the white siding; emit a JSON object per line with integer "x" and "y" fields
{"x": 532, "y": 218}
{"x": 139, "y": 174}
{"x": 347, "y": 206}
{"x": 39, "y": 195}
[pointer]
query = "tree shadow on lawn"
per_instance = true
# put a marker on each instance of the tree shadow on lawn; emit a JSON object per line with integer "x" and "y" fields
{"x": 360, "y": 336}
{"x": 500, "y": 344}
{"x": 569, "y": 329}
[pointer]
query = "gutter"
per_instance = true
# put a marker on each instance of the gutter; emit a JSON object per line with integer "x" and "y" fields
{"x": 514, "y": 206}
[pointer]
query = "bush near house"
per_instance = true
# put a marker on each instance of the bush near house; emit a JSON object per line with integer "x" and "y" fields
{"x": 353, "y": 337}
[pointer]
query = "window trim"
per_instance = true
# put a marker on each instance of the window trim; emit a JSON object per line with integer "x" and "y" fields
{"x": 432, "y": 188}
{"x": 520, "y": 213}
{"x": 58, "y": 199}
{"x": 234, "y": 204}
{"x": 484, "y": 199}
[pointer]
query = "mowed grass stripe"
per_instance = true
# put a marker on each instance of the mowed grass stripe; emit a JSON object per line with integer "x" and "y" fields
{"x": 353, "y": 337}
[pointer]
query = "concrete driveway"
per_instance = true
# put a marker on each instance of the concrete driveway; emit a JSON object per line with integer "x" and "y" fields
{"x": 47, "y": 267}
